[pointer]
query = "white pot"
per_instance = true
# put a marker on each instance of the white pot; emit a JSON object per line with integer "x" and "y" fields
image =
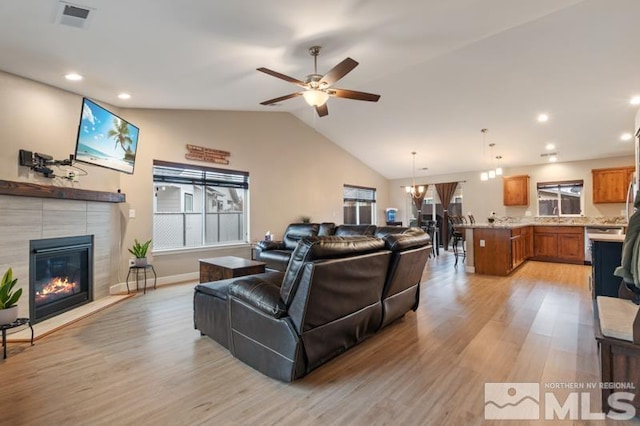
{"x": 141, "y": 261}
{"x": 8, "y": 315}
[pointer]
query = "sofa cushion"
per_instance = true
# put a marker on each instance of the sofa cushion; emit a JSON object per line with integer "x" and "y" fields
{"x": 261, "y": 294}
{"x": 349, "y": 230}
{"x": 313, "y": 248}
{"x": 220, "y": 288}
{"x": 275, "y": 259}
{"x": 326, "y": 229}
{"x": 296, "y": 231}
{"x": 411, "y": 238}
{"x": 382, "y": 231}
{"x": 616, "y": 317}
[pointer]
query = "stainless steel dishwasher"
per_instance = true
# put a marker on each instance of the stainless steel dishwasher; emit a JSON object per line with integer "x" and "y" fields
{"x": 616, "y": 230}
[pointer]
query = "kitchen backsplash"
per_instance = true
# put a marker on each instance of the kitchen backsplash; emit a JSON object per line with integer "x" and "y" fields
{"x": 610, "y": 220}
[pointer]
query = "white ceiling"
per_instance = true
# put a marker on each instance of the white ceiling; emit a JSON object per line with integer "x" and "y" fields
{"x": 445, "y": 69}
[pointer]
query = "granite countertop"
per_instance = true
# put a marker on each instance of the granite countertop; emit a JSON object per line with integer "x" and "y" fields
{"x": 515, "y": 225}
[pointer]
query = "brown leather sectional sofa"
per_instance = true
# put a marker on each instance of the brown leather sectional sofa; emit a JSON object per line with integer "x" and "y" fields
{"x": 276, "y": 254}
{"x": 335, "y": 292}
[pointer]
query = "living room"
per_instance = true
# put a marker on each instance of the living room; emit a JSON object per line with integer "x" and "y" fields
{"x": 296, "y": 170}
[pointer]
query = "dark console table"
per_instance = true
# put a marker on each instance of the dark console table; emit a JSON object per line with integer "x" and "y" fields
{"x": 17, "y": 323}
{"x": 220, "y": 268}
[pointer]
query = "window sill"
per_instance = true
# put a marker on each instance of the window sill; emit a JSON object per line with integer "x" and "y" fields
{"x": 182, "y": 250}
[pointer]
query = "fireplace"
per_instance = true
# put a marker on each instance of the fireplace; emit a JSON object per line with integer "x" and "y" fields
{"x": 60, "y": 275}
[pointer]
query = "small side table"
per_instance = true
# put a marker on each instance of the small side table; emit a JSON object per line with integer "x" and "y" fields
{"x": 222, "y": 268}
{"x": 17, "y": 323}
{"x": 144, "y": 269}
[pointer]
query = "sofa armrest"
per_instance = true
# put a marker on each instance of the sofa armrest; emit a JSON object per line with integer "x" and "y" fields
{"x": 259, "y": 294}
{"x": 271, "y": 245}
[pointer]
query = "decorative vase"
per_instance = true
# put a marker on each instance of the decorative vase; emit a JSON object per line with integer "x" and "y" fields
{"x": 141, "y": 261}
{"x": 9, "y": 315}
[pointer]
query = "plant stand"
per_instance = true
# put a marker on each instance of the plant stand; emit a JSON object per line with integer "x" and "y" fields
{"x": 136, "y": 270}
{"x": 17, "y": 323}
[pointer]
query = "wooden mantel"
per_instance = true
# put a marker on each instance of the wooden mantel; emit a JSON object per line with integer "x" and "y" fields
{"x": 25, "y": 189}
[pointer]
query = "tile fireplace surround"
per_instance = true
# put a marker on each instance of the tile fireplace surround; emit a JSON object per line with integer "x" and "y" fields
{"x": 30, "y": 218}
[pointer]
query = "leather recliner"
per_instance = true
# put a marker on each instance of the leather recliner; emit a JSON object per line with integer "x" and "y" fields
{"x": 336, "y": 292}
{"x": 330, "y": 299}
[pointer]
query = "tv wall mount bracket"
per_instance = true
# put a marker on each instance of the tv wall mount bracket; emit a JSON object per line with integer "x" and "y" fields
{"x": 40, "y": 163}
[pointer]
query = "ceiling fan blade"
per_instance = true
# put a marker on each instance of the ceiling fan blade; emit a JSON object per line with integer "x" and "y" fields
{"x": 352, "y": 94}
{"x": 281, "y": 98}
{"x": 282, "y": 76}
{"x": 339, "y": 71}
{"x": 322, "y": 110}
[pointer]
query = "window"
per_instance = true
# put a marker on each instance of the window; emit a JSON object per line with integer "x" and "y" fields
{"x": 188, "y": 203}
{"x": 359, "y": 205}
{"x": 198, "y": 206}
{"x": 560, "y": 198}
{"x": 432, "y": 207}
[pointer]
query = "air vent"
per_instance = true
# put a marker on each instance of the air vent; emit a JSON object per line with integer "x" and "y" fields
{"x": 74, "y": 15}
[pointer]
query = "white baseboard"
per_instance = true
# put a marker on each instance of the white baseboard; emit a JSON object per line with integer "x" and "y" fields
{"x": 172, "y": 279}
{"x": 470, "y": 269}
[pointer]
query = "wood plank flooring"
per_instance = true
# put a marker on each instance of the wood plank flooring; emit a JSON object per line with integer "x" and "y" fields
{"x": 141, "y": 362}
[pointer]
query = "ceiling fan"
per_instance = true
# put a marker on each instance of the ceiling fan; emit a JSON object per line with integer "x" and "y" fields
{"x": 318, "y": 88}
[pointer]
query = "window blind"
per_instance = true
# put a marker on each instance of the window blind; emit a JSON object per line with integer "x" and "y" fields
{"x": 197, "y": 175}
{"x": 358, "y": 193}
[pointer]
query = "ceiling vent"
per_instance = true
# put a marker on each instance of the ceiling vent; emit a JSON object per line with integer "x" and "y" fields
{"x": 74, "y": 15}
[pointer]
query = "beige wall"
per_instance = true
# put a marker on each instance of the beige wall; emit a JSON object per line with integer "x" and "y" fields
{"x": 294, "y": 171}
{"x": 481, "y": 198}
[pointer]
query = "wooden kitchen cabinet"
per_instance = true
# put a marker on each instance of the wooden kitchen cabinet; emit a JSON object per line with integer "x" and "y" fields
{"x": 611, "y": 185}
{"x": 498, "y": 251}
{"x": 559, "y": 244}
{"x": 515, "y": 190}
{"x": 527, "y": 233}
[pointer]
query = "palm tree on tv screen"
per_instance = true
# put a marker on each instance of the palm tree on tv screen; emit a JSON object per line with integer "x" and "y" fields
{"x": 120, "y": 132}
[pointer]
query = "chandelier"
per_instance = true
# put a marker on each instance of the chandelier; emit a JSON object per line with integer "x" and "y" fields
{"x": 413, "y": 190}
{"x": 491, "y": 173}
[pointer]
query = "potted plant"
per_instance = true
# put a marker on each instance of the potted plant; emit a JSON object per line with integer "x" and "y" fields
{"x": 8, "y": 298}
{"x": 139, "y": 250}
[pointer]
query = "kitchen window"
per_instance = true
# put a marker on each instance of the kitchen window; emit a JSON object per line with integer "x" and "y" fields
{"x": 564, "y": 198}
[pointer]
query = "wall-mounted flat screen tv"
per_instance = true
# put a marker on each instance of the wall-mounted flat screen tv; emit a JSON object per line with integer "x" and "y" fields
{"x": 106, "y": 140}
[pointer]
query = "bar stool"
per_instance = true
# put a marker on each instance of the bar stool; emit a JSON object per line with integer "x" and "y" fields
{"x": 458, "y": 243}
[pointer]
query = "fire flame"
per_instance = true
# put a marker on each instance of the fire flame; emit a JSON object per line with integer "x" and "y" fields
{"x": 57, "y": 287}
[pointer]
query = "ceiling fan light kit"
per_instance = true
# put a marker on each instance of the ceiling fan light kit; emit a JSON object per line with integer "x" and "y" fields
{"x": 315, "y": 97}
{"x": 317, "y": 87}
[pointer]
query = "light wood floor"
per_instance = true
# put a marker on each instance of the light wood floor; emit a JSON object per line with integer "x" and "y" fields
{"x": 141, "y": 362}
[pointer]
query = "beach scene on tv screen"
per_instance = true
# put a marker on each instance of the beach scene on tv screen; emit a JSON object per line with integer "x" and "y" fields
{"x": 106, "y": 140}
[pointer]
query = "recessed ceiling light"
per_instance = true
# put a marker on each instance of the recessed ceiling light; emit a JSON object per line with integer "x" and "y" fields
{"x": 124, "y": 96}
{"x": 72, "y": 76}
{"x": 626, "y": 137}
{"x": 635, "y": 100}
{"x": 549, "y": 147}
{"x": 542, "y": 118}
{"x": 553, "y": 159}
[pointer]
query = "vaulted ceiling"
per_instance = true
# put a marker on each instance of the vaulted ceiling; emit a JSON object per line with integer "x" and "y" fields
{"x": 444, "y": 69}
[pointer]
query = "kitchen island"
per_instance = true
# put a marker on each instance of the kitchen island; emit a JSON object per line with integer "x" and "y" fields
{"x": 500, "y": 248}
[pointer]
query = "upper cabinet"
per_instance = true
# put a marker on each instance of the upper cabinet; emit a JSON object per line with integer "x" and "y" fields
{"x": 611, "y": 185}
{"x": 515, "y": 190}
